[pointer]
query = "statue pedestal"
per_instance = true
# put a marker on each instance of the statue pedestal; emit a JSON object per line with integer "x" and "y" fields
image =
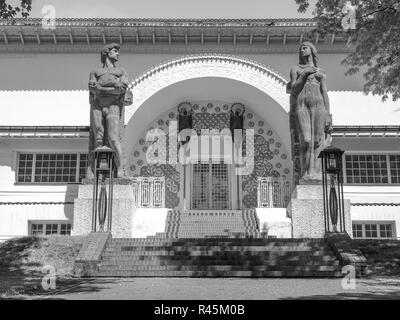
{"x": 274, "y": 222}
{"x": 149, "y": 222}
{"x": 122, "y": 209}
{"x": 307, "y": 211}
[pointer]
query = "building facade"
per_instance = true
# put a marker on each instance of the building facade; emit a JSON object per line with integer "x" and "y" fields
{"x": 208, "y": 66}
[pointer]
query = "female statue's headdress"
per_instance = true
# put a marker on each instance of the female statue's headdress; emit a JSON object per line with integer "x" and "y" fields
{"x": 313, "y": 53}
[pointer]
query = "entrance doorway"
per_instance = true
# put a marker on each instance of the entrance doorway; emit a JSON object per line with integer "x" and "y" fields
{"x": 210, "y": 187}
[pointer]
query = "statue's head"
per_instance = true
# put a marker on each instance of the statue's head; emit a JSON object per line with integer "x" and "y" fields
{"x": 306, "y": 49}
{"x": 111, "y": 51}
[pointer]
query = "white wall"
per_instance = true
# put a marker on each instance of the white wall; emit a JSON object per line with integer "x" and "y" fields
{"x": 378, "y": 213}
{"x": 368, "y": 145}
{"x": 42, "y": 71}
{"x": 20, "y": 203}
{"x": 7, "y": 176}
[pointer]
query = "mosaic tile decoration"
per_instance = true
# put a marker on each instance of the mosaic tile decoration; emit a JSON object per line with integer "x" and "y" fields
{"x": 205, "y": 120}
{"x": 271, "y": 156}
{"x": 172, "y": 181}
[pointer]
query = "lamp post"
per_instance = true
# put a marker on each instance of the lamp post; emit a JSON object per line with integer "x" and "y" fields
{"x": 104, "y": 166}
{"x": 332, "y": 183}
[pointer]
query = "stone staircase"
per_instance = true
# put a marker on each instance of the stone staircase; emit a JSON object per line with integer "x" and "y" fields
{"x": 217, "y": 257}
{"x": 211, "y": 223}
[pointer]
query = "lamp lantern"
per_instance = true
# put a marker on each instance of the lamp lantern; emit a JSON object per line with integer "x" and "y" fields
{"x": 104, "y": 167}
{"x": 332, "y": 183}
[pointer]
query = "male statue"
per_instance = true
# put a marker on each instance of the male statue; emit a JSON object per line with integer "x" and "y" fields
{"x": 309, "y": 107}
{"x": 107, "y": 89}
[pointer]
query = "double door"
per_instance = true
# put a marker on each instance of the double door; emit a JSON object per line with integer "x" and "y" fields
{"x": 210, "y": 186}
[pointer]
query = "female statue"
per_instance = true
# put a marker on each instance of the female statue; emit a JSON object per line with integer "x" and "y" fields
{"x": 309, "y": 107}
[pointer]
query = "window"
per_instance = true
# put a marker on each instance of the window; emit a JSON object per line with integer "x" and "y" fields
{"x": 25, "y": 165}
{"x": 394, "y": 161}
{"x": 36, "y": 229}
{"x": 51, "y": 229}
{"x": 357, "y": 231}
{"x": 373, "y": 230}
{"x": 65, "y": 229}
{"x": 83, "y": 164}
{"x": 385, "y": 231}
{"x": 51, "y": 167}
{"x": 43, "y": 228}
{"x": 372, "y": 168}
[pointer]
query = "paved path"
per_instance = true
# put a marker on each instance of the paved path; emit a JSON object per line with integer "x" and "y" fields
{"x": 224, "y": 289}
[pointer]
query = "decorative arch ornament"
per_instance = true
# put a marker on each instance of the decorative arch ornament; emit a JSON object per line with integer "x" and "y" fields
{"x": 207, "y": 65}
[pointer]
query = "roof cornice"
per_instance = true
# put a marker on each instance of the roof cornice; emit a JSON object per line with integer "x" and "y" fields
{"x": 165, "y": 35}
{"x": 82, "y": 131}
{"x": 366, "y": 131}
{"x": 138, "y": 22}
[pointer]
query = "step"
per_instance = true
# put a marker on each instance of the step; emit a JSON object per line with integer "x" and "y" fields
{"x": 280, "y": 240}
{"x": 217, "y": 268}
{"x": 215, "y": 260}
{"x": 234, "y": 253}
{"x": 217, "y": 257}
{"x": 212, "y": 241}
{"x": 299, "y": 249}
{"x": 247, "y": 263}
{"x": 250, "y": 246}
{"x": 226, "y": 274}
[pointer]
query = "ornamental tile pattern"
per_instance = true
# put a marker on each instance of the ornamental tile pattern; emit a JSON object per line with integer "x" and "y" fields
{"x": 271, "y": 156}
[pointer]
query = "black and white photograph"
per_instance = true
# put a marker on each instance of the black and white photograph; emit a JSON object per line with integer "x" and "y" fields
{"x": 199, "y": 155}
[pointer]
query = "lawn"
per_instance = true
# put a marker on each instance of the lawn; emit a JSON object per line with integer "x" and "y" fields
{"x": 22, "y": 261}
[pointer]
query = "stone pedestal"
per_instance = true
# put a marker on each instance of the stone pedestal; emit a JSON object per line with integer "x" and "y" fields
{"x": 274, "y": 222}
{"x": 307, "y": 212}
{"x": 122, "y": 209}
{"x": 148, "y": 222}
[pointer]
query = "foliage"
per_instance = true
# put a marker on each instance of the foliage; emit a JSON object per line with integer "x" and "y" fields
{"x": 8, "y": 11}
{"x": 22, "y": 261}
{"x": 383, "y": 256}
{"x": 375, "y": 40}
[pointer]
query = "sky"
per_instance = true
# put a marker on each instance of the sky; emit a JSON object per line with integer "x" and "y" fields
{"x": 256, "y": 9}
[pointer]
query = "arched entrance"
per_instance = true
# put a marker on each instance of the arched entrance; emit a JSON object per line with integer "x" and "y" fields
{"x": 204, "y": 80}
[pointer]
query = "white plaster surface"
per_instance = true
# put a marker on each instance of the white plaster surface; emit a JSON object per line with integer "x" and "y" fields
{"x": 148, "y": 221}
{"x": 275, "y": 222}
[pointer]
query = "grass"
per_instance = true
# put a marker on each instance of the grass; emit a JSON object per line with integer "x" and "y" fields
{"x": 22, "y": 261}
{"x": 383, "y": 256}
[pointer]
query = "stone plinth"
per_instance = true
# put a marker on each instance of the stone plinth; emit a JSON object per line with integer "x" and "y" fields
{"x": 148, "y": 222}
{"x": 307, "y": 212}
{"x": 122, "y": 209}
{"x": 89, "y": 256}
{"x": 274, "y": 222}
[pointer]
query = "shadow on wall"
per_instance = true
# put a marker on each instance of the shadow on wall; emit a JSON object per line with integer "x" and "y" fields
{"x": 7, "y": 168}
{"x": 70, "y": 195}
